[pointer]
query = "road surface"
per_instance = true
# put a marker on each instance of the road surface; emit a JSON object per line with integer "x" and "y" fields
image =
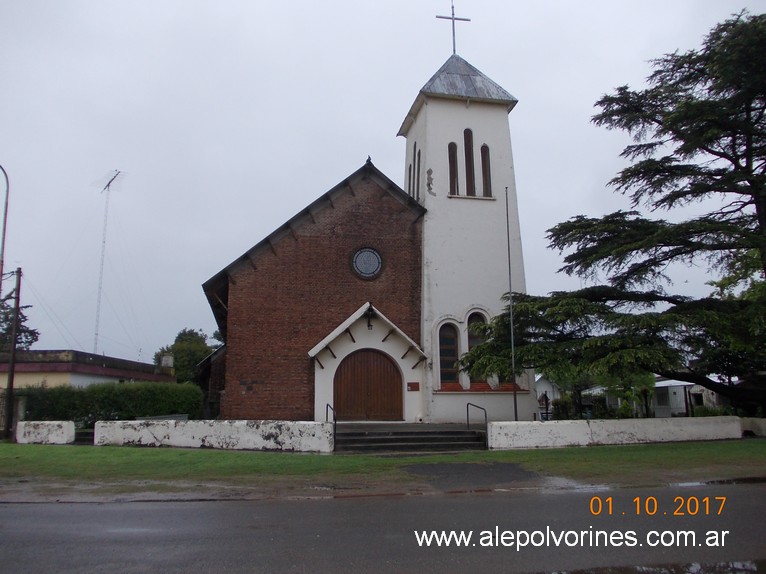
{"x": 560, "y": 529}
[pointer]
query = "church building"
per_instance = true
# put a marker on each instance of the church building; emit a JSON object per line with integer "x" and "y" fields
{"x": 363, "y": 300}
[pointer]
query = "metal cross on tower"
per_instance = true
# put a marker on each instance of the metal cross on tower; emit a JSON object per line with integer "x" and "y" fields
{"x": 454, "y": 18}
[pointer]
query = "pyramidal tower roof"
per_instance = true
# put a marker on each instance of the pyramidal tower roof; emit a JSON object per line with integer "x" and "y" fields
{"x": 457, "y": 79}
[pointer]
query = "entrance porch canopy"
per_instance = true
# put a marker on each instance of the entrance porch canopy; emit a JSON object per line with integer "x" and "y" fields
{"x": 369, "y": 316}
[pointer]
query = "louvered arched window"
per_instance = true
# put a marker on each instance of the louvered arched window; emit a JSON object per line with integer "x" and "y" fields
{"x": 448, "y": 355}
{"x": 470, "y": 172}
{"x": 486, "y": 172}
{"x": 452, "y": 156}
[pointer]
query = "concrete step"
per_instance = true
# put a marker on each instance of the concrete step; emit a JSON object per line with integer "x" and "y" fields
{"x": 409, "y": 447}
{"x": 84, "y": 437}
{"x": 408, "y": 440}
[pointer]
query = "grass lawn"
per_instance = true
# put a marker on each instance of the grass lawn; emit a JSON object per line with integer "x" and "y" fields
{"x": 647, "y": 464}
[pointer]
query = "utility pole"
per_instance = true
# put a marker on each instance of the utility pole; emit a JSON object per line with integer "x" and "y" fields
{"x": 9, "y": 430}
{"x": 510, "y": 304}
{"x": 5, "y": 223}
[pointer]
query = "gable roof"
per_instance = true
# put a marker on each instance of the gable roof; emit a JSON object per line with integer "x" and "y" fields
{"x": 217, "y": 287}
{"x": 364, "y": 310}
{"x": 457, "y": 79}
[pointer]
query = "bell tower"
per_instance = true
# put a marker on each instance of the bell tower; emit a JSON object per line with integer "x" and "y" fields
{"x": 459, "y": 166}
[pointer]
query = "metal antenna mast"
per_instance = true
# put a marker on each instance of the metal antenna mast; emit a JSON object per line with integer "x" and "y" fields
{"x": 107, "y": 189}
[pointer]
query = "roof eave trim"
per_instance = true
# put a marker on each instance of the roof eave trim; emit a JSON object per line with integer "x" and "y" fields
{"x": 353, "y": 318}
{"x": 409, "y": 119}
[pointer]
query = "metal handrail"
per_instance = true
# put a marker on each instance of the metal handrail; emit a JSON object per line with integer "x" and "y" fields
{"x": 327, "y": 410}
{"x": 486, "y": 423}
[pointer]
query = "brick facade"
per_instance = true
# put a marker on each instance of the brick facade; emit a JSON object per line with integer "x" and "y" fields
{"x": 287, "y": 293}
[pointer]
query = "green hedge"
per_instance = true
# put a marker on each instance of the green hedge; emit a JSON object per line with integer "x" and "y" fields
{"x": 108, "y": 401}
{"x": 705, "y": 411}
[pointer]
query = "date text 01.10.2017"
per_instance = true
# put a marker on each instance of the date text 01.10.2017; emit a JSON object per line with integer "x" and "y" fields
{"x": 649, "y": 506}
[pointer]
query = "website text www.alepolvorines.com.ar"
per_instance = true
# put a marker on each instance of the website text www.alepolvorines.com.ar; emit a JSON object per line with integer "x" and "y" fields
{"x": 550, "y": 538}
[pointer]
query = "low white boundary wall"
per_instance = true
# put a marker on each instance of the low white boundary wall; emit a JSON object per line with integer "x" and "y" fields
{"x": 318, "y": 437}
{"x": 45, "y": 432}
{"x": 235, "y": 434}
{"x": 754, "y": 426}
{"x": 510, "y": 435}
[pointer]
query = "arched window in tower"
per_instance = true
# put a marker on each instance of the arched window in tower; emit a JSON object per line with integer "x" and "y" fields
{"x": 453, "y": 184}
{"x": 417, "y": 178}
{"x": 413, "y": 171}
{"x": 475, "y": 339}
{"x": 470, "y": 172}
{"x": 448, "y": 355}
{"x": 409, "y": 179}
{"x": 486, "y": 172}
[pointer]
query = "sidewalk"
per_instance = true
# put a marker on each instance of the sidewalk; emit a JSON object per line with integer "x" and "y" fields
{"x": 421, "y": 480}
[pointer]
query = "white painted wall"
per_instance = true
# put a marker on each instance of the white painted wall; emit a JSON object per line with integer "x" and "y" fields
{"x": 451, "y": 407}
{"x": 676, "y": 395}
{"x": 52, "y": 379}
{"x": 511, "y": 435}
{"x": 465, "y": 241}
{"x": 232, "y": 434}
{"x": 81, "y": 380}
{"x": 318, "y": 437}
{"x": 45, "y": 432}
{"x": 465, "y": 251}
{"x": 754, "y": 425}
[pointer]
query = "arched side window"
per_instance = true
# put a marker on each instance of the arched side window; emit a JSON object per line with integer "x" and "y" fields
{"x": 417, "y": 178}
{"x": 413, "y": 170}
{"x": 486, "y": 172}
{"x": 409, "y": 179}
{"x": 475, "y": 339}
{"x": 470, "y": 172}
{"x": 448, "y": 355}
{"x": 452, "y": 155}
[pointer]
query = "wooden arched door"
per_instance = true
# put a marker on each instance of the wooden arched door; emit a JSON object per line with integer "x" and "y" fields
{"x": 368, "y": 386}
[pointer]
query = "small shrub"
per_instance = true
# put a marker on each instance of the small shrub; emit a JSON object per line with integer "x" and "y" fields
{"x": 705, "y": 411}
{"x": 625, "y": 410}
{"x": 601, "y": 409}
{"x": 562, "y": 408}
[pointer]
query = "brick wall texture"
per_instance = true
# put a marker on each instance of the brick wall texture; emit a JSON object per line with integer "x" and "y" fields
{"x": 289, "y": 294}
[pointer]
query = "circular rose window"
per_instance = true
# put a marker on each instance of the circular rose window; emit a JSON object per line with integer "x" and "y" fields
{"x": 367, "y": 263}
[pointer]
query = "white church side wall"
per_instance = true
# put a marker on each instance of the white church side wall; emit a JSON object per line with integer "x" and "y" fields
{"x": 511, "y": 435}
{"x": 465, "y": 241}
{"x": 45, "y": 432}
{"x": 232, "y": 434}
{"x": 465, "y": 267}
{"x": 451, "y": 407}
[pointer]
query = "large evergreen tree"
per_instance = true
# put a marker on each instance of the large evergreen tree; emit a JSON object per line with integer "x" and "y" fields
{"x": 698, "y": 138}
{"x": 25, "y": 335}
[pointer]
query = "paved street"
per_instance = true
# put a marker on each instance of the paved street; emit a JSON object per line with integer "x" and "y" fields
{"x": 376, "y": 533}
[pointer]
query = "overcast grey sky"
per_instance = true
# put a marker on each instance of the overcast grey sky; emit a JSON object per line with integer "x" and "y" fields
{"x": 227, "y": 117}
